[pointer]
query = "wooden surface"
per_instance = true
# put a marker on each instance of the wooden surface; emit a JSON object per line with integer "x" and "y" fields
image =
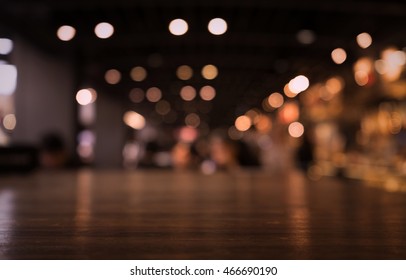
{"x": 172, "y": 215}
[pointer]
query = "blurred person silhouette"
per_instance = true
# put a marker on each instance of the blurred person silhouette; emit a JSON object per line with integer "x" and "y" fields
{"x": 304, "y": 153}
{"x": 132, "y": 153}
{"x": 184, "y": 156}
{"x": 277, "y": 153}
{"x": 53, "y": 152}
{"x": 148, "y": 159}
{"x": 229, "y": 154}
{"x": 247, "y": 157}
{"x": 223, "y": 152}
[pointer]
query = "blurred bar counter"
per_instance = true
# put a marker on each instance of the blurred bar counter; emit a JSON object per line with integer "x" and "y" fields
{"x": 248, "y": 214}
{"x": 390, "y": 177}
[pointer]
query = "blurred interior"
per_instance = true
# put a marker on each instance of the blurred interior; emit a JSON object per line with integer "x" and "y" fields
{"x": 222, "y": 122}
{"x": 317, "y": 85}
{"x": 320, "y": 86}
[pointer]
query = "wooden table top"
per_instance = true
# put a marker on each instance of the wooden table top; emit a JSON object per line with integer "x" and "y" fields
{"x": 89, "y": 214}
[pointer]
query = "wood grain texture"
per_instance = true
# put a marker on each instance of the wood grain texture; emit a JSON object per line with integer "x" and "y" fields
{"x": 170, "y": 215}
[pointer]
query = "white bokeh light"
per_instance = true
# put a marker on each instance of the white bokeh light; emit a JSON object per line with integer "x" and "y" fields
{"x": 8, "y": 79}
{"x": 296, "y": 129}
{"x": 298, "y": 84}
{"x": 217, "y": 26}
{"x": 178, "y": 27}
{"x": 66, "y": 33}
{"x": 6, "y": 46}
{"x": 84, "y": 97}
{"x": 104, "y": 30}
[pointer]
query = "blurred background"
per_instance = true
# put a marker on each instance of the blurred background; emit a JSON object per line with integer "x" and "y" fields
{"x": 206, "y": 86}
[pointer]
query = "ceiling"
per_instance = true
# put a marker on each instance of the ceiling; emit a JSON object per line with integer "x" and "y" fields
{"x": 257, "y": 55}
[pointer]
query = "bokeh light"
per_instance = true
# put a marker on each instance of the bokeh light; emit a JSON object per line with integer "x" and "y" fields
{"x": 66, "y": 33}
{"x": 298, "y": 84}
{"x": 184, "y": 72}
{"x": 192, "y": 120}
{"x": 289, "y": 113}
{"x": 187, "y": 134}
{"x": 339, "y": 55}
{"x": 104, "y": 30}
{"x": 380, "y": 66}
{"x": 83, "y": 97}
{"x": 209, "y": 72}
{"x": 154, "y": 94}
{"x": 364, "y": 40}
{"x": 188, "y": 93}
{"x": 6, "y": 46}
{"x": 86, "y": 96}
{"x": 243, "y": 123}
{"x": 324, "y": 93}
{"x": 134, "y": 120}
{"x": 363, "y": 68}
{"x": 253, "y": 114}
{"x": 334, "y": 85}
{"x": 361, "y": 78}
{"x": 398, "y": 58}
{"x": 288, "y": 92}
{"x": 207, "y": 93}
{"x": 136, "y": 95}
{"x": 275, "y": 100}
{"x": 217, "y": 26}
{"x": 265, "y": 105}
{"x": 87, "y": 114}
{"x": 296, "y": 129}
{"x": 138, "y": 74}
{"x": 8, "y": 79}
{"x": 208, "y": 167}
{"x": 112, "y": 76}
{"x": 9, "y": 121}
{"x": 391, "y": 64}
{"x": 263, "y": 124}
{"x": 178, "y": 27}
{"x": 86, "y": 141}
